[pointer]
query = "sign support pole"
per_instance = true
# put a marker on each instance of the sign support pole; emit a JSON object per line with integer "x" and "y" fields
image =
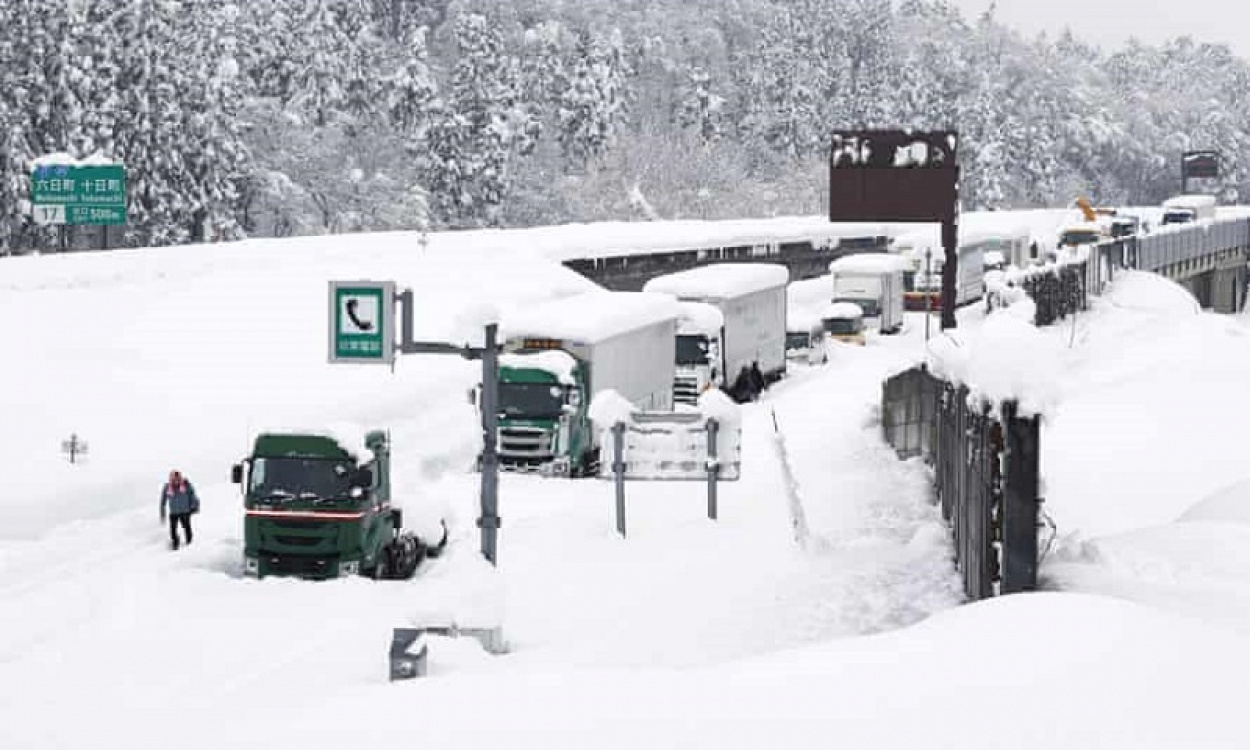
{"x": 489, "y": 521}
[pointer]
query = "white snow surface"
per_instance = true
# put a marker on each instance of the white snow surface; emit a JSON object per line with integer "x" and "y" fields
{"x": 700, "y": 318}
{"x": 62, "y": 159}
{"x": 815, "y": 291}
{"x": 593, "y": 316}
{"x": 867, "y": 263}
{"x": 559, "y": 364}
{"x": 720, "y": 281}
{"x": 820, "y": 608}
{"x": 841, "y": 310}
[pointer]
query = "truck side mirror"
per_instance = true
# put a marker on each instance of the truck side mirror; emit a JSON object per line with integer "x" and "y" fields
{"x": 575, "y": 398}
{"x": 236, "y": 474}
{"x": 362, "y": 478}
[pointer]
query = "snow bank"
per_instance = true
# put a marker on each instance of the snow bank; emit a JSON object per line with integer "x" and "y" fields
{"x": 1006, "y": 358}
{"x": 593, "y": 316}
{"x": 868, "y": 263}
{"x": 714, "y": 404}
{"x": 609, "y": 408}
{"x": 1229, "y": 504}
{"x": 1149, "y": 292}
{"x": 720, "y": 280}
{"x": 559, "y": 364}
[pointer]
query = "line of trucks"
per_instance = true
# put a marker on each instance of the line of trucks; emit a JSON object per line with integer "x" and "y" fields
{"x": 724, "y": 326}
{"x": 317, "y": 508}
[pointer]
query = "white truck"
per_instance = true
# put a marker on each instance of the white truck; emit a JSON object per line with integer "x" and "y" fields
{"x": 874, "y": 281}
{"x": 805, "y": 335}
{"x": 749, "y": 348}
{"x": 1184, "y": 209}
{"x": 559, "y": 354}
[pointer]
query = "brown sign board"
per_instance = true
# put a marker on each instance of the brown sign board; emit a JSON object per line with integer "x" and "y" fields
{"x": 893, "y": 175}
{"x": 1200, "y": 164}
{"x": 900, "y": 175}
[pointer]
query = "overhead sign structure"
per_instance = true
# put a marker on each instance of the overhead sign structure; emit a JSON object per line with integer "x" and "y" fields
{"x": 1200, "y": 164}
{"x": 78, "y": 194}
{"x": 362, "y": 321}
{"x": 900, "y": 175}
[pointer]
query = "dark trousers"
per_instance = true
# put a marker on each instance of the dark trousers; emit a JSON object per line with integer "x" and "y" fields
{"x": 174, "y": 520}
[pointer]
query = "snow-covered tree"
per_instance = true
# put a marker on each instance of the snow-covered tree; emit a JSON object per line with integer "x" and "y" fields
{"x": 477, "y": 129}
{"x": 591, "y": 106}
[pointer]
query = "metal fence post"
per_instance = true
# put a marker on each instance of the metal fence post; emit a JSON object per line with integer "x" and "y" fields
{"x": 1020, "y": 501}
{"x": 713, "y": 467}
{"x": 618, "y": 471}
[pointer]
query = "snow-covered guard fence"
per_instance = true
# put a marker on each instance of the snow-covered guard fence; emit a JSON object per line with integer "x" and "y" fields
{"x": 1064, "y": 288}
{"x": 985, "y": 474}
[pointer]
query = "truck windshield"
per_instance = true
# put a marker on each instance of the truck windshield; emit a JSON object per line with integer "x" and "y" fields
{"x": 796, "y": 340}
{"x": 1078, "y": 237}
{"x": 531, "y": 400}
{"x": 842, "y": 326}
{"x": 869, "y": 306}
{"x": 281, "y": 479}
{"x": 692, "y": 350}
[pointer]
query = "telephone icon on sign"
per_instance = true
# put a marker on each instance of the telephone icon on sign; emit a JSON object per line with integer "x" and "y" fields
{"x": 360, "y": 315}
{"x": 352, "y": 306}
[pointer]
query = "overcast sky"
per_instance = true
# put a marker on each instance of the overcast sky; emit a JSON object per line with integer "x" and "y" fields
{"x": 1109, "y": 23}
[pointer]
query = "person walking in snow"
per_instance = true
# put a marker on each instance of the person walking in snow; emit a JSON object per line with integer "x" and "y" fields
{"x": 178, "y": 496}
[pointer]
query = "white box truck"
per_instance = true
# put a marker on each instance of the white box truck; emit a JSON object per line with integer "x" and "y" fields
{"x": 748, "y": 350}
{"x": 1184, "y": 209}
{"x": 559, "y": 354}
{"x": 874, "y": 281}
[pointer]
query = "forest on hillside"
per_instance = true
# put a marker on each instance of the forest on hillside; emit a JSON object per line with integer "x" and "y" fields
{"x": 288, "y": 117}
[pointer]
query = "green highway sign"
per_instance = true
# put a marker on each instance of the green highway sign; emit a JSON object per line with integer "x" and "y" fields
{"x": 77, "y": 194}
{"x": 362, "y": 321}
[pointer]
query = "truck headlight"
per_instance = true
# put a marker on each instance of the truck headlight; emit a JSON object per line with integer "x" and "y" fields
{"x": 251, "y": 566}
{"x": 349, "y": 568}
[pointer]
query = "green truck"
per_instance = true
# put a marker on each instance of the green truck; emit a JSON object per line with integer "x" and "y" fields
{"x": 559, "y": 354}
{"x": 313, "y": 510}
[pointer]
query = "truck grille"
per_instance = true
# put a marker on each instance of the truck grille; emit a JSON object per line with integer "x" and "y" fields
{"x": 524, "y": 445}
{"x": 685, "y": 390}
{"x": 300, "y": 565}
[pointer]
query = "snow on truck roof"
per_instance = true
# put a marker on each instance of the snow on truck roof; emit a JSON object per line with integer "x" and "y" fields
{"x": 842, "y": 310}
{"x": 700, "y": 317}
{"x": 591, "y": 316}
{"x": 559, "y": 363}
{"x": 1189, "y": 201}
{"x": 868, "y": 263}
{"x": 720, "y": 280}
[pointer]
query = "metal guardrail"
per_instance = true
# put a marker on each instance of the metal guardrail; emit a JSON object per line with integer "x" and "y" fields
{"x": 1186, "y": 243}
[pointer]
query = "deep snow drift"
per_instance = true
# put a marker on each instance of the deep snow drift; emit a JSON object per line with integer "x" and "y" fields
{"x": 805, "y": 614}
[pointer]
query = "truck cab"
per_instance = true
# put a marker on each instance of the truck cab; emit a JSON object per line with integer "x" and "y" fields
{"x": 313, "y": 510}
{"x": 700, "y": 360}
{"x": 844, "y": 321}
{"x": 805, "y": 337}
{"x": 543, "y": 419}
{"x": 1186, "y": 209}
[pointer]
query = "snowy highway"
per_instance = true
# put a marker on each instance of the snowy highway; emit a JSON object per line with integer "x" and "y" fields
{"x": 613, "y": 642}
